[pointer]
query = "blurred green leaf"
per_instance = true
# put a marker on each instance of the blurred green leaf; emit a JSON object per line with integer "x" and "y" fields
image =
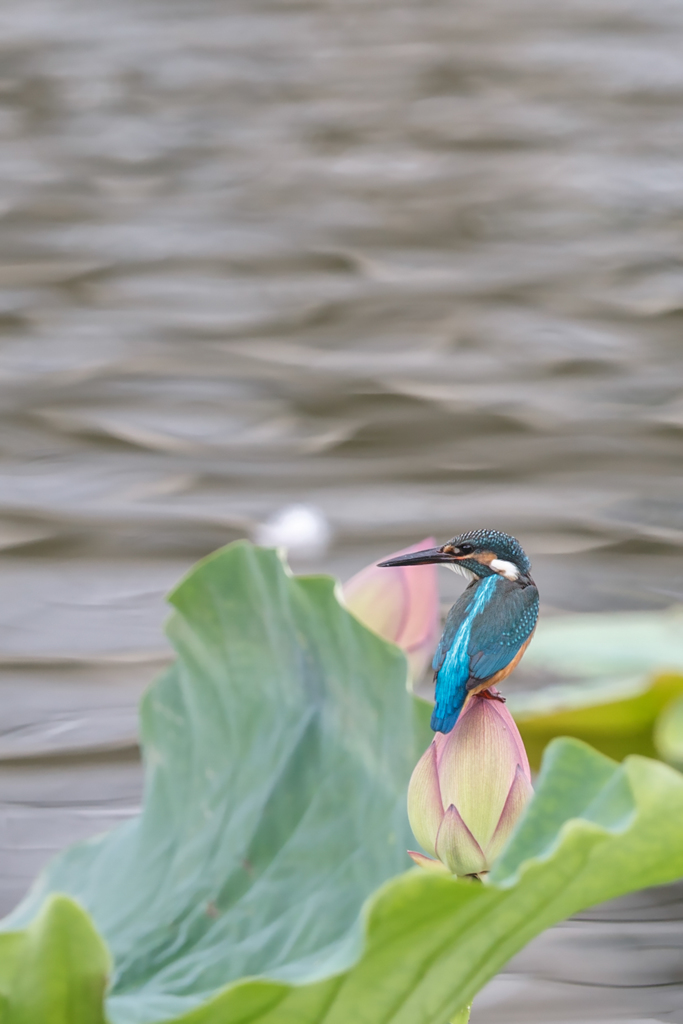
{"x": 56, "y": 971}
{"x": 278, "y": 751}
{"x": 609, "y": 646}
{"x": 617, "y": 728}
{"x": 668, "y": 733}
{"x": 604, "y": 678}
{"x": 462, "y": 1017}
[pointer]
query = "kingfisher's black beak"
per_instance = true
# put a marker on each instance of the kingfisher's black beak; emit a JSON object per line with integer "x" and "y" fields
{"x": 419, "y": 558}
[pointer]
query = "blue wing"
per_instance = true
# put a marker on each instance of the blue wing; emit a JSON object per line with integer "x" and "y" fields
{"x": 496, "y": 638}
{"x": 454, "y": 620}
{"x": 476, "y": 646}
{"x": 452, "y": 658}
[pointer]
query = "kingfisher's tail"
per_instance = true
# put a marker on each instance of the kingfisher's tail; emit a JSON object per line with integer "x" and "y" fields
{"x": 444, "y": 716}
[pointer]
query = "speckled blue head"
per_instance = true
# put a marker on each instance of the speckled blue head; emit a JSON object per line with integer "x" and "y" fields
{"x": 475, "y": 553}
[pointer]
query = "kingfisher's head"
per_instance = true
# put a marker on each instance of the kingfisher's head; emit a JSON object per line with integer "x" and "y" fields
{"x": 475, "y": 553}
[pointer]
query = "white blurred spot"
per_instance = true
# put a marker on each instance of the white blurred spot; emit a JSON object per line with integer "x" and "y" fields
{"x": 302, "y": 529}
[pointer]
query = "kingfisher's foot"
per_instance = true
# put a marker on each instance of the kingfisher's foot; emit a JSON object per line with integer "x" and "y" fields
{"x": 493, "y": 694}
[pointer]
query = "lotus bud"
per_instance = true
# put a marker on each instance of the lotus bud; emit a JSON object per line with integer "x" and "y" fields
{"x": 469, "y": 789}
{"x": 401, "y": 604}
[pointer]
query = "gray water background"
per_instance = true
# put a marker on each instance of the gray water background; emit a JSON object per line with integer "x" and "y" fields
{"x": 417, "y": 263}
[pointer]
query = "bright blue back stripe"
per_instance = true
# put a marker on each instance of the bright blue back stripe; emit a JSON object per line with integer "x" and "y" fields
{"x": 455, "y": 671}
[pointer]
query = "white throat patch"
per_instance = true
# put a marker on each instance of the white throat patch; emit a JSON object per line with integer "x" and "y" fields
{"x": 507, "y": 569}
{"x": 461, "y": 570}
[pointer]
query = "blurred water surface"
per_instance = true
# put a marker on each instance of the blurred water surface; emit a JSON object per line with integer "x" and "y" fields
{"x": 417, "y": 263}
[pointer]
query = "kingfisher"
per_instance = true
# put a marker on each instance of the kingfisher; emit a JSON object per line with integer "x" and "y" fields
{"x": 490, "y": 625}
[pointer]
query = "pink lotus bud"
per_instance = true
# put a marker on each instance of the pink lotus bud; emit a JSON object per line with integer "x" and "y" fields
{"x": 468, "y": 790}
{"x": 401, "y": 604}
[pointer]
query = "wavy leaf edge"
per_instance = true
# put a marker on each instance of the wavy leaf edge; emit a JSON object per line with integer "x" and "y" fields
{"x": 418, "y": 888}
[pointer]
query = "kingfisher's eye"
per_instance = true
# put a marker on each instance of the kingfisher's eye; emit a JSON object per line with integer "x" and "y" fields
{"x": 466, "y": 549}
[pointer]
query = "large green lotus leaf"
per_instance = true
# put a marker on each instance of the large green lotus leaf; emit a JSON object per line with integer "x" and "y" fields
{"x": 278, "y": 751}
{"x": 594, "y": 830}
{"x": 607, "y": 679}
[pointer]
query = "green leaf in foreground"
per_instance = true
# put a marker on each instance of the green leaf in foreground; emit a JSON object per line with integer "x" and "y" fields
{"x": 56, "y": 971}
{"x": 595, "y": 830}
{"x": 278, "y": 752}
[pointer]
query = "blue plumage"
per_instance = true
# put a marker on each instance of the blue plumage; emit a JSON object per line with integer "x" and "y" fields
{"x": 485, "y": 630}
{"x": 489, "y": 626}
{"x": 452, "y": 659}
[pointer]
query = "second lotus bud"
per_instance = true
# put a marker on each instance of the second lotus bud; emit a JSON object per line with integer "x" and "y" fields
{"x": 469, "y": 789}
{"x": 400, "y": 604}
